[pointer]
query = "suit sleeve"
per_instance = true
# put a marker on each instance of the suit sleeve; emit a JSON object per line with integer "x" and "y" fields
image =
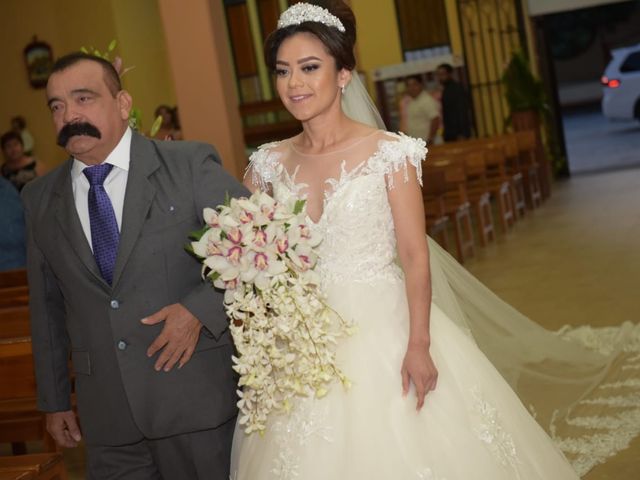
{"x": 49, "y": 337}
{"x": 211, "y": 183}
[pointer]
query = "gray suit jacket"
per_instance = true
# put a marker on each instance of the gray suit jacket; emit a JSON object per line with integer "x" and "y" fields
{"x": 121, "y": 398}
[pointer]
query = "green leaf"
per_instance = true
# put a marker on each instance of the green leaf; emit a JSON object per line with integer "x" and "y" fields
{"x": 135, "y": 119}
{"x": 223, "y": 235}
{"x": 157, "y": 123}
{"x": 84, "y": 50}
{"x": 197, "y": 235}
{"x": 112, "y": 45}
{"x": 227, "y": 199}
{"x": 298, "y": 207}
{"x": 214, "y": 275}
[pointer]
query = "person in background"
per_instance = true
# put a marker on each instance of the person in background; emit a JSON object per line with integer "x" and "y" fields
{"x": 455, "y": 109}
{"x": 421, "y": 114}
{"x": 19, "y": 125}
{"x": 19, "y": 168}
{"x": 12, "y": 241}
{"x": 169, "y": 130}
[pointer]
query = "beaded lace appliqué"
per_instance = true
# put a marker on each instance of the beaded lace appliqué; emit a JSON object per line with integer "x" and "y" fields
{"x": 491, "y": 432}
{"x": 302, "y": 424}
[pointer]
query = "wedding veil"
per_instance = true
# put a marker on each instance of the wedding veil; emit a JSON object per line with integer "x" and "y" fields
{"x": 581, "y": 384}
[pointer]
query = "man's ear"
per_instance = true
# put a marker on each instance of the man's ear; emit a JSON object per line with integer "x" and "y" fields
{"x": 124, "y": 103}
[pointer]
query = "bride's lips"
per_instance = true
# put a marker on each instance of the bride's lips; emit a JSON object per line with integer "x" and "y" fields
{"x": 298, "y": 98}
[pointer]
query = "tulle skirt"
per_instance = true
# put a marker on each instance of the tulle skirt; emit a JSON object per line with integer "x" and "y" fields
{"x": 472, "y": 426}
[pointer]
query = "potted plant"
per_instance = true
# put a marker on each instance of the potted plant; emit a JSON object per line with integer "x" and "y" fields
{"x": 524, "y": 94}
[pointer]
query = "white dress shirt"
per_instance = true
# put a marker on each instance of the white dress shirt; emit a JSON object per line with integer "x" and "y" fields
{"x": 421, "y": 111}
{"x": 115, "y": 184}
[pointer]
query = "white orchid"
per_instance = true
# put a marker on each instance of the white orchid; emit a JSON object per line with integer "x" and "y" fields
{"x": 262, "y": 253}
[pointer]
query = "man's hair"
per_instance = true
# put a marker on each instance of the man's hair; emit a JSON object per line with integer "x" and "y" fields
{"x": 446, "y": 67}
{"x": 7, "y": 137}
{"x": 111, "y": 77}
{"x": 417, "y": 78}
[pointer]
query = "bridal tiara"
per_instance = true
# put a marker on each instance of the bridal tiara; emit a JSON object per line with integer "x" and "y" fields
{"x": 305, "y": 12}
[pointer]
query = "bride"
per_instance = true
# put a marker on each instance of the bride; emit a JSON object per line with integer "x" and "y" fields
{"x": 436, "y": 357}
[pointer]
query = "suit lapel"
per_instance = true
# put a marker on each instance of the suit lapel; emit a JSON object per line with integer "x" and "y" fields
{"x": 137, "y": 201}
{"x": 69, "y": 222}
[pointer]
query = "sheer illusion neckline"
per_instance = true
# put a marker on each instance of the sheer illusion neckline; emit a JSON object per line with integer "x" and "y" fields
{"x": 333, "y": 152}
{"x": 333, "y": 184}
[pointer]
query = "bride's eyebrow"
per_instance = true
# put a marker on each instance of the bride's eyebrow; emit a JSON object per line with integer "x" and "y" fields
{"x": 308, "y": 59}
{"x": 299, "y": 62}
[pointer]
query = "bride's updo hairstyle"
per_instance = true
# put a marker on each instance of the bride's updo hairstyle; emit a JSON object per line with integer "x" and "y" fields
{"x": 337, "y": 43}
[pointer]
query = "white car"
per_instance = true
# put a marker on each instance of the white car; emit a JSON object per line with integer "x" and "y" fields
{"x": 621, "y": 80}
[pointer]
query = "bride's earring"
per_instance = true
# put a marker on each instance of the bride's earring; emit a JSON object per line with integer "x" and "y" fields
{"x": 342, "y": 88}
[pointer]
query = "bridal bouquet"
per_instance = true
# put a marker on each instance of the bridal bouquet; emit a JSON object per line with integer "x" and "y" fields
{"x": 262, "y": 253}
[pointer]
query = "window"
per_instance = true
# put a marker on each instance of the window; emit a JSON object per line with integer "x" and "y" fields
{"x": 632, "y": 63}
{"x": 423, "y": 27}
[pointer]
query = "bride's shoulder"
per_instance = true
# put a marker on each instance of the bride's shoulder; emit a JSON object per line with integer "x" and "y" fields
{"x": 264, "y": 163}
{"x": 398, "y": 148}
{"x": 396, "y": 152}
{"x": 404, "y": 142}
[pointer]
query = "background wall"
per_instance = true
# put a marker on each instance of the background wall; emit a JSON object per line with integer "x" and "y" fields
{"x": 67, "y": 25}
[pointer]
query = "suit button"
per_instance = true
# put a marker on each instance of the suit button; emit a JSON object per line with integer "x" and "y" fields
{"x": 122, "y": 345}
{"x": 115, "y": 304}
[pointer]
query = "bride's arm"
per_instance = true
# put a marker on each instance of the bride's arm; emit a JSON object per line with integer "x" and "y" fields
{"x": 407, "y": 209}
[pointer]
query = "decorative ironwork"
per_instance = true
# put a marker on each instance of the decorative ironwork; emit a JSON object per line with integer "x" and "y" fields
{"x": 491, "y": 31}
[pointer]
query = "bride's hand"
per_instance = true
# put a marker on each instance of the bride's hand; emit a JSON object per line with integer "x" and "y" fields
{"x": 418, "y": 367}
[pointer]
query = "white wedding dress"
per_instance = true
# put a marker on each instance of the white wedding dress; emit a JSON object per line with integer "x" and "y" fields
{"x": 473, "y": 426}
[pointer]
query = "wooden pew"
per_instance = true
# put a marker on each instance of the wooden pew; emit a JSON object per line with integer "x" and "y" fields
{"x": 18, "y": 475}
{"x": 13, "y": 278}
{"x": 14, "y": 322}
{"x": 42, "y": 466}
{"x": 267, "y": 121}
{"x": 20, "y": 420}
{"x": 14, "y": 296}
{"x": 433, "y": 196}
{"x": 456, "y": 203}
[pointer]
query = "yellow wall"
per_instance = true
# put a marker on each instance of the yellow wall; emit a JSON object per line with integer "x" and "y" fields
{"x": 378, "y": 42}
{"x": 142, "y": 44}
{"x": 17, "y": 95}
{"x": 67, "y": 25}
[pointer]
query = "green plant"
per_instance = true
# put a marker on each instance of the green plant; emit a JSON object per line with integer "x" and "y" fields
{"x": 525, "y": 93}
{"x": 523, "y": 90}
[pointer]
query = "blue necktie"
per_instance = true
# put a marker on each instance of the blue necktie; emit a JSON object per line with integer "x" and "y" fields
{"x": 104, "y": 228}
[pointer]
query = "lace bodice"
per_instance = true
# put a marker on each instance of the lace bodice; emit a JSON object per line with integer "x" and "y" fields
{"x": 359, "y": 242}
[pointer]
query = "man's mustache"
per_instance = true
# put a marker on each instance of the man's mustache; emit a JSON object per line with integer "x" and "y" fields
{"x": 79, "y": 128}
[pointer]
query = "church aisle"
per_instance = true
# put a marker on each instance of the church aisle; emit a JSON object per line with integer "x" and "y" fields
{"x": 575, "y": 261}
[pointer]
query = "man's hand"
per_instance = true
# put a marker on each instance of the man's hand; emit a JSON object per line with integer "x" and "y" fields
{"x": 178, "y": 338}
{"x": 64, "y": 429}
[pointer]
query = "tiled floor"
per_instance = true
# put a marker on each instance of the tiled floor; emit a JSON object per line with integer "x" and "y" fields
{"x": 576, "y": 260}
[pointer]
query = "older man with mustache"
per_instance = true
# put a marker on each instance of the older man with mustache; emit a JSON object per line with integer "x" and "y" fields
{"x": 112, "y": 287}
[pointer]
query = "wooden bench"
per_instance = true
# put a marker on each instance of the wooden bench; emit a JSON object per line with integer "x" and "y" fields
{"x": 13, "y": 278}
{"x": 267, "y": 121}
{"x": 14, "y": 322}
{"x": 42, "y": 466}
{"x": 20, "y": 420}
{"x": 14, "y": 296}
{"x": 17, "y": 475}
